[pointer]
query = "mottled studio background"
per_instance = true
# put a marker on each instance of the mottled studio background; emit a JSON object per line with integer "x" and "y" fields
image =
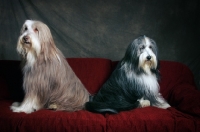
{"x": 104, "y": 28}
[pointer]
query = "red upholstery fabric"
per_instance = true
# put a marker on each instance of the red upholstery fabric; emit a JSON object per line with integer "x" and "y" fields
{"x": 49, "y": 121}
{"x": 176, "y": 85}
{"x": 92, "y": 72}
{"x": 151, "y": 119}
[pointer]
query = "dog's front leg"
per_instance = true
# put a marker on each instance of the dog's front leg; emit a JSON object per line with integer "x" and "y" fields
{"x": 28, "y": 105}
{"x": 162, "y": 102}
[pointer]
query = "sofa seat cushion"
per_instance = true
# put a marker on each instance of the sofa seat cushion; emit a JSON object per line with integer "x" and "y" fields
{"x": 151, "y": 119}
{"x": 49, "y": 121}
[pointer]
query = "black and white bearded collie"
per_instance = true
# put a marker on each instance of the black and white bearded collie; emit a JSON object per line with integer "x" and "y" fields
{"x": 49, "y": 82}
{"x": 133, "y": 83}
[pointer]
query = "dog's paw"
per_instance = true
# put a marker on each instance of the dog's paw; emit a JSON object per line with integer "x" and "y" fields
{"x": 52, "y": 107}
{"x": 16, "y": 104}
{"x": 16, "y": 108}
{"x": 163, "y": 105}
{"x": 144, "y": 103}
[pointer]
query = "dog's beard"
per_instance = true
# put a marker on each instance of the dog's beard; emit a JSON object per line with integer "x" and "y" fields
{"x": 147, "y": 65}
{"x": 30, "y": 49}
{"x": 23, "y": 53}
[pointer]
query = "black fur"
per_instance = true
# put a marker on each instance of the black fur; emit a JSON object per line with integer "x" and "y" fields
{"x": 120, "y": 93}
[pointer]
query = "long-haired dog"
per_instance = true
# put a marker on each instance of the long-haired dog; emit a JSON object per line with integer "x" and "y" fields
{"x": 49, "y": 82}
{"x": 133, "y": 83}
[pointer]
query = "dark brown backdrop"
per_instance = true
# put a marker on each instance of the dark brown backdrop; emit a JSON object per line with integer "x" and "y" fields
{"x": 104, "y": 28}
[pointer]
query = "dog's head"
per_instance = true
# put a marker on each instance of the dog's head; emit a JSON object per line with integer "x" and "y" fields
{"x": 142, "y": 54}
{"x": 35, "y": 41}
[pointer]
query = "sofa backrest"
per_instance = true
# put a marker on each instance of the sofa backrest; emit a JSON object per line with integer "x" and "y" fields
{"x": 93, "y": 72}
{"x": 174, "y": 74}
{"x": 11, "y": 80}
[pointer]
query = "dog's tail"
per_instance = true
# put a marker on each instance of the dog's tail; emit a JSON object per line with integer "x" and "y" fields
{"x": 99, "y": 107}
{"x": 102, "y": 107}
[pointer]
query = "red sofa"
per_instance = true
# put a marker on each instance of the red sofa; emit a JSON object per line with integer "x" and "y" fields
{"x": 176, "y": 85}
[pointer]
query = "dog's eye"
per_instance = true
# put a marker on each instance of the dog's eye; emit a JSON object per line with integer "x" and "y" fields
{"x": 141, "y": 48}
{"x": 150, "y": 47}
{"x": 36, "y": 30}
{"x": 25, "y": 28}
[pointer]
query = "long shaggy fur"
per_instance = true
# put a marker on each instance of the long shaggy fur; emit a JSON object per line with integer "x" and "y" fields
{"x": 133, "y": 83}
{"x": 49, "y": 82}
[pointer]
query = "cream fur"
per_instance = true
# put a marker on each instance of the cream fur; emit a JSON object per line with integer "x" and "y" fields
{"x": 48, "y": 78}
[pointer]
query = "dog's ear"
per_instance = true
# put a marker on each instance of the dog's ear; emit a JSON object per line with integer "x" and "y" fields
{"x": 48, "y": 47}
{"x": 154, "y": 47}
{"x": 132, "y": 53}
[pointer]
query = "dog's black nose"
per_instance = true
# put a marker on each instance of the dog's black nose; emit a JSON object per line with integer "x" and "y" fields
{"x": 26, "y": 39}
{"x": 148, "y": 57}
